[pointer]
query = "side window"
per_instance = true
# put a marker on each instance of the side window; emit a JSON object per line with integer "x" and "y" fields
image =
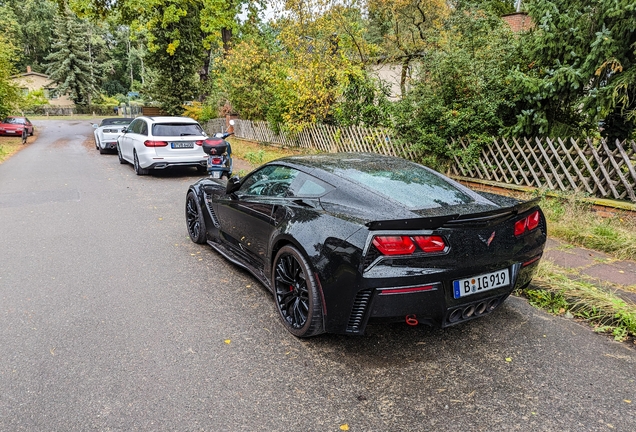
{"x": 144, "y": 128}
{"x": 133, "y": 126}
{"x": 308, "y": 186}
{"x": 272, "y": 181}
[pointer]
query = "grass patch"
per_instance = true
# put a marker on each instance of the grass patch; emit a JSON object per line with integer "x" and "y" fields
{"x": 558, "y": 291}
{"x": 257, "y": 154}
{"x": 9, "y": 146}
{"x": 576, "y": 222}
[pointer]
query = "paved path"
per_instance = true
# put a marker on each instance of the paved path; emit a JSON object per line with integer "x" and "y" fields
{"x": 597, "y": 267}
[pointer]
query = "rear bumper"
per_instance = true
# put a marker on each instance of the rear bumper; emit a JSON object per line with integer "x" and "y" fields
{"x": 427, "y": 299}
{"x": 168, "y": 164}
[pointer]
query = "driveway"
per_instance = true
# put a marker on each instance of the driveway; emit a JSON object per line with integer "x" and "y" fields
{"x": 111, "y": 319}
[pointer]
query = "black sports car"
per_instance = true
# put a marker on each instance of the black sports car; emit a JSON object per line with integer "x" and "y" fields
{"x": 342, "y": 239}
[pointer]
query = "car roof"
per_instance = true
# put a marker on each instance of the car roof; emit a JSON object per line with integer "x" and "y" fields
{"x": 170, "y": 119}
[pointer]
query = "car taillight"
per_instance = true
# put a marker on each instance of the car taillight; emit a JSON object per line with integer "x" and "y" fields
{"x": 430, "y": 243}
{"x": 394, "y": 245}
{"x": 404, "y": 245}
{"x": 199, "y": 142}
{"x": 151, "y": 143}
{"x": 528, "y": 223}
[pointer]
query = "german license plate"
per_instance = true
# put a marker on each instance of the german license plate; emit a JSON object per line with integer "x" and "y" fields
{"x": 179, "y": 145}
{"x": 216, "y": 174}
{"x": 481, "y": 283}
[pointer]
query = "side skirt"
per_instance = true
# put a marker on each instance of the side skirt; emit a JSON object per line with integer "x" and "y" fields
{"x": 235, "y": 259}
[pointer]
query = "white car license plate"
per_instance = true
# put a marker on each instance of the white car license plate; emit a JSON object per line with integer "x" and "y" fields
{"x": 481, "y": 283}
{"x": 179, "y": 145}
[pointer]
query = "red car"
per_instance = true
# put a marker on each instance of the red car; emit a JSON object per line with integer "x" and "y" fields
{"x": 14, "y": 126}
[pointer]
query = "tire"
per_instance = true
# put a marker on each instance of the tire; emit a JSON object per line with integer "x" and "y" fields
{"x": 138, "y": 169}
{"x": 121, "y": 159}
{"x": 194, "y": 219}
{"x": 96, "y": 143}
{"x": 101, "y": 150}
{"x": 32, "y": 132}
{"x": 296, "y": 294}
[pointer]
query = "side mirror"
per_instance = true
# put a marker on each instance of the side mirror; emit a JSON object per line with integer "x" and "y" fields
{"x": 233, "y": 184}
{"x": 218, "y": 135}
{"x": 124, "y": 130}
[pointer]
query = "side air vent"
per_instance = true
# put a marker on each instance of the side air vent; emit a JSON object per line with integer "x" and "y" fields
{"x": 208, "y": 204}
{"x": 358, "y": 310}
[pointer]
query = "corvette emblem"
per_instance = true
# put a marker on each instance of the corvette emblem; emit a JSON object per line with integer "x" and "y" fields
{"x": 487, "y": 240}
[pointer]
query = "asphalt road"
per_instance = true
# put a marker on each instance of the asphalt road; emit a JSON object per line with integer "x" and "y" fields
{"x": 111, "y": 319}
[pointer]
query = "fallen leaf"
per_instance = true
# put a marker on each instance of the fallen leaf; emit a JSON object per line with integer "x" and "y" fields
{"x": 621, "y": 271}
{"x": 508, "y": 359}
{"x": 227, "y": 341}
{"x": 344, "y": 427}
{"x": 627, "y": 401}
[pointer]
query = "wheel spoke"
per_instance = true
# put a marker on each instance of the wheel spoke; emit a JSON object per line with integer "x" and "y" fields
{"x": 292, "y": 293}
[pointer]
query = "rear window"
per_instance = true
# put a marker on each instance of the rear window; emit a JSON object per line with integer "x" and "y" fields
{"x": 176, "y": 129}
{"x": 410, "y": 184}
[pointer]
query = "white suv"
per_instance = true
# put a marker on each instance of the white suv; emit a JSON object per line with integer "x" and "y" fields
{"x": 161, "y": 142}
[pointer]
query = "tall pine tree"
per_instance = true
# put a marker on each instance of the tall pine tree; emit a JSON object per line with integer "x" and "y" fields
{"x": 69, "y": 64}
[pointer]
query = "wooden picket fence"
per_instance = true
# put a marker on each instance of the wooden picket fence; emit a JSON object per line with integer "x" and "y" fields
{"x": 592, "y": 167}
{"x": 325, "y": 138}
{"x": 588, "y": 166}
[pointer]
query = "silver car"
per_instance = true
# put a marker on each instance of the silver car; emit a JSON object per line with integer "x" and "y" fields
{"x": 107, "y": 131}
{"x": 154, "y": 143}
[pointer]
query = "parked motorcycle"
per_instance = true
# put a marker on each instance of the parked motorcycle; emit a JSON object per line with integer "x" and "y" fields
{"x": 219, "y": 153}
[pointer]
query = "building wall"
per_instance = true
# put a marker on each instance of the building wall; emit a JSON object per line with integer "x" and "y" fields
{"x": 518, "y": 21}
{"x": 36, "y": 81}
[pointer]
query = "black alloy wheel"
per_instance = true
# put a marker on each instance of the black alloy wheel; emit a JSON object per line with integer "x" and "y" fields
{"x": 121, "y": 159}
{"x": 138, "y": 169}
{"x": 296, "y": 294}
{"x": 194, "y": 219}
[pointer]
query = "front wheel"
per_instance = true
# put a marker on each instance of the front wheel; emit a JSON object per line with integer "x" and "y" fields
{"x": 121, "y": 159}
{"x": 194, "y": 219}
{"x": 296, "y": 293}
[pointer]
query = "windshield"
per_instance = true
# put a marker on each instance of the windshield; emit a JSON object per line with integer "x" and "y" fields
{"x": 116, "y": 121}
{"x": 176, "y": 129}
{"x": 14, "y": 120}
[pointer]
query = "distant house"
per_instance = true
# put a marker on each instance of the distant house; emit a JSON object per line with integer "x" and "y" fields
{"x": 30, "y": 81}
{"x": 518, "y": 21}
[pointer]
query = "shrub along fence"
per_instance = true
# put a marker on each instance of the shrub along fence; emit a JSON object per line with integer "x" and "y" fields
{"x": 593, "y": 167}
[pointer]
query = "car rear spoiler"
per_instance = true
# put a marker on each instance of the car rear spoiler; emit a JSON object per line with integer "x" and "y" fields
{"x": 474, "y": 219}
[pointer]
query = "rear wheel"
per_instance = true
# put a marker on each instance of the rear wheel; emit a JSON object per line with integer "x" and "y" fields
{"x": 296, "y": 293}
{"x": 138, "y": 169}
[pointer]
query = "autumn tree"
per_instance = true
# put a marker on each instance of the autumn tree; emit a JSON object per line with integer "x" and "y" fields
{"x": 407, "y": 30}
{"x": 9, "y": 93}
